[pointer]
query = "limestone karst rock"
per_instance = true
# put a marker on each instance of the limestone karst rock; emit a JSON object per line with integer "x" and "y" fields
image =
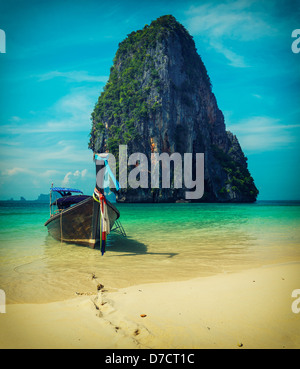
{"x": 159, "y": 99}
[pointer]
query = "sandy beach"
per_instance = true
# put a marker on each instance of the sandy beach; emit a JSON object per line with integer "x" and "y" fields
{"x": 245, "y": 310}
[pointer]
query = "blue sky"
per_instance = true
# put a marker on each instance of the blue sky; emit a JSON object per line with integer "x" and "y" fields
{"x": 57, "y": 61}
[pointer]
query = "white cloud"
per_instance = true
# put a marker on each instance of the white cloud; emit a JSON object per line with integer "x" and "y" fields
{"x": 225, "y": 22}
{"x": 5, "y": 142}
{"x": 65, "y": 151}
{"x": 234, "y": 59}
{"x": 257, "y": 96}
{"x": 49, "y": 173}
{"x": 73, "y": 76}
{"x": 15, "y": 119}
{"x": 263, "y": 133}
{"x": 70, "y": 176}
{"x": 230, "y": 19}
{"x": 70, "y": 113}
{"x": 15, "y": 171}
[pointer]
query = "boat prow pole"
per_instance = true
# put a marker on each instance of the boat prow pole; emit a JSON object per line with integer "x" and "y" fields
{"x": 50, "y": 199}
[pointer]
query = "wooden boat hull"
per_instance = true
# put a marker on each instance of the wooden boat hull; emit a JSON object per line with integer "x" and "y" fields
{"x": 80, "y": 224}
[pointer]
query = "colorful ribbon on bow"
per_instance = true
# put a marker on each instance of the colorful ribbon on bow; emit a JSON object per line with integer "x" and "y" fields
{"x": 104, "y": 219}
{"x": 109, "y": 171}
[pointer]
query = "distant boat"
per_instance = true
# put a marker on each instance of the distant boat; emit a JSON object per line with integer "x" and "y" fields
{"x": 82, "y": 219}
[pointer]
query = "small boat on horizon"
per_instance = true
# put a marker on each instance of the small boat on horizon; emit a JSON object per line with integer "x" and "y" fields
{"x": 82, "y": 219}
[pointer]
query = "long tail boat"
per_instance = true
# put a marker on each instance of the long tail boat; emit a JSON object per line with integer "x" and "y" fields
{"x": 82, "y": 219}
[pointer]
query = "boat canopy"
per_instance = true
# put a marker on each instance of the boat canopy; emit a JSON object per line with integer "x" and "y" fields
{"x": 64, "y": 190}
{"x": 67, "y": 201}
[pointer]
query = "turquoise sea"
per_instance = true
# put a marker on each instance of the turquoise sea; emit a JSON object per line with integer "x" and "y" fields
{"x": 165, "y": 242}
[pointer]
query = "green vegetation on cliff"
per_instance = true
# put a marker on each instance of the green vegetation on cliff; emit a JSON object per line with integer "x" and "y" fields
{"x": 239, "y": 176}
{"x": 126, "y": 98}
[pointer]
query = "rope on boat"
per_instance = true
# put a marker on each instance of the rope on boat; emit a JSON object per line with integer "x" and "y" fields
{"x": 104, "y": 218}
{"x": 61, "y": 232}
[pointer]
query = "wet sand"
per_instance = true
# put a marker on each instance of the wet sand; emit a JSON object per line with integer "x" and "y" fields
{"x": 244, "y": 310}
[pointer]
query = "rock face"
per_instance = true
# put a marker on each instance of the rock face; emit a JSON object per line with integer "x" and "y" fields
{"x": 159, "y": 99}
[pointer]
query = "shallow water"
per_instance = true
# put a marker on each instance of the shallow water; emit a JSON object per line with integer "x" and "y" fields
{"x": 165, "y": 242}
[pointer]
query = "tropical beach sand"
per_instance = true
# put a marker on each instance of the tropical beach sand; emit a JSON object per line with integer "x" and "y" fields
{"x": 244, "y": 310}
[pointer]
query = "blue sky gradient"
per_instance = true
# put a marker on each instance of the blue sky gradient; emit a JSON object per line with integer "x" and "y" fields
{"x": 58, "y": 58}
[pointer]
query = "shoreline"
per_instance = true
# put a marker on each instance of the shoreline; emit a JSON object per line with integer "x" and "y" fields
{"x": 246, "y": 309}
